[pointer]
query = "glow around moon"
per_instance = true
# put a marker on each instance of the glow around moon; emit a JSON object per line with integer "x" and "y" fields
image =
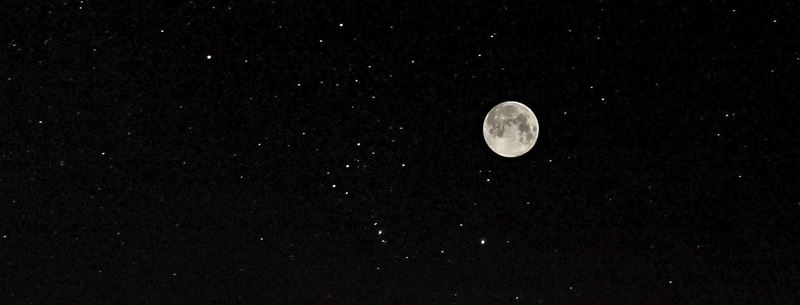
{"x": 510, "y": 129}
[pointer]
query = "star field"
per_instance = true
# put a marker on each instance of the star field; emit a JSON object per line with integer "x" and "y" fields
{"x": 270, "y": 152}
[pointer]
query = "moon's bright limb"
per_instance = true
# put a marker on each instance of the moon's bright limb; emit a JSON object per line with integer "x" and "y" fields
{"x": 510, "y": 129}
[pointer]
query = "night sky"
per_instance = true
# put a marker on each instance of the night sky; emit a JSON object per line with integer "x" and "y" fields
{"x": 331, "y": 152}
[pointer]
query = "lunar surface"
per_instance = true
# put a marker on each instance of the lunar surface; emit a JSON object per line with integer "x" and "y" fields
{"x": 510, "y": 129}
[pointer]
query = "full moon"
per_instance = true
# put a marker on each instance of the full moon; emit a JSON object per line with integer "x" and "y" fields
{"x": 510, "y": 129}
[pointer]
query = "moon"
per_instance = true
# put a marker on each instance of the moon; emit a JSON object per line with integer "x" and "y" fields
{"x": 510, "y": 129}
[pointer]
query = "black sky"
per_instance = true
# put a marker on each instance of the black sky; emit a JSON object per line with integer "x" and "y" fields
{"x": 272, "y": 152}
